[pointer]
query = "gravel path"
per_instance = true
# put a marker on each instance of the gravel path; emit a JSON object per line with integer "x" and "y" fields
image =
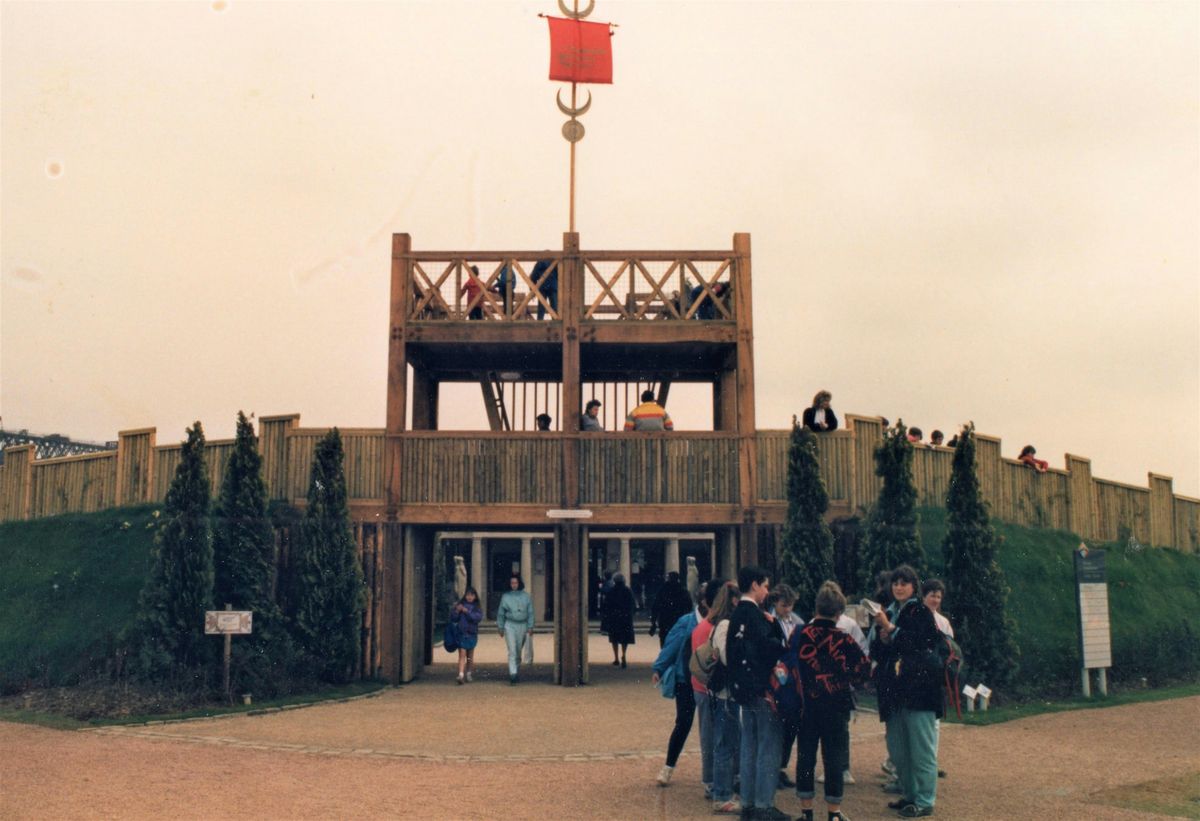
{"x": 487, "y": 750}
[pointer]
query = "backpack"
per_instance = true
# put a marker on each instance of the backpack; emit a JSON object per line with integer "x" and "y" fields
{"x": 743, "y": 686}
{"x": 706, "y": 666}
{"x": 945, "y": 660}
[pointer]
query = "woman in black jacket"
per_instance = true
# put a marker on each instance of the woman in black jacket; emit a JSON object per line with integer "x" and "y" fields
{"x": 910, "y": 692}
{"x": 820, "y": 417}
{"x": 616, "y": 618}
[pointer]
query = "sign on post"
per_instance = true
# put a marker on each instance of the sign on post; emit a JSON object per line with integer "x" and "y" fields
{"x": 1095, "y": 640}
{"x": 228, "y": 623}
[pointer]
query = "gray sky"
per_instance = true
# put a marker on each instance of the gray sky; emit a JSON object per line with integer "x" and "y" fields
{"x": 959, "y": 211}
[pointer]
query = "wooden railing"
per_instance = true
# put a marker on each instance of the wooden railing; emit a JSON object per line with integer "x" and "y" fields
{"x": 630, "y": 285}
{"x": 441, "y": 467}
{"x": 646, "y": 468}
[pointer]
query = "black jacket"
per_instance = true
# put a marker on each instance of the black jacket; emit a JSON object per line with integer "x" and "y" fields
{"x": 755, "y": 642}
{"x": 830, "y": 419}
{"x": 672, "y": 601}
{"x": 904, "y": 678}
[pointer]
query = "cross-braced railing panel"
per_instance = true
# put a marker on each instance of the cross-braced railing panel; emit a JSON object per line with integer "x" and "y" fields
{"x": 657, "y": 287}
{"x": 485, "y": 287}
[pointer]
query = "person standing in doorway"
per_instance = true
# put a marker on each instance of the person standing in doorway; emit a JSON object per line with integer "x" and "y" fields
{"x": 617, "y": 618}
{"x": 466, "y": 616}
{"x": 514, "y": 618}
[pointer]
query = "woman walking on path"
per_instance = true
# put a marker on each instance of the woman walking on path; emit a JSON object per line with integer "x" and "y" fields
{"x": 910, "y": 694}
{"x": 616, "y": 618}
{"x": 465, "y": 616}
{"x": 514, "y": 618}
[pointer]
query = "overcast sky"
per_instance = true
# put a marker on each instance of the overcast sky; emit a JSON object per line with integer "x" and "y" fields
{"x": 959, "y": 211}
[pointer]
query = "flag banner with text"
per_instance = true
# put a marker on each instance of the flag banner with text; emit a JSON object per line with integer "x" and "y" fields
{"x": 580, "y": 52}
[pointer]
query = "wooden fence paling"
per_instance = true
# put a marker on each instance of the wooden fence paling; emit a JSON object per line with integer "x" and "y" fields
{"x": 680, "y": 468}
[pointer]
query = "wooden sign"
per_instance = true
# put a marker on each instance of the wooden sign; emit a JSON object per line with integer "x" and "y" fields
{"x": 228, "y": 622}
{"x": 1092, "y": 596}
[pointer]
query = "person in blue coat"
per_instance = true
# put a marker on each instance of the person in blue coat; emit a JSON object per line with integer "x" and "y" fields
{"x": 465, "y": 616}
{"x": 674, "y": 681}
{"x": 515, "y": 620}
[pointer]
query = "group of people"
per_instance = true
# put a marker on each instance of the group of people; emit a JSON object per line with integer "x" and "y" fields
{"x": 544, "y": 275}
{"x": 649, "y": 415}
{"x": 762, "y": 681}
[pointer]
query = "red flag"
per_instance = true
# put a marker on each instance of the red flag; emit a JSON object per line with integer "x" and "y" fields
{"x": 580, "y": 52}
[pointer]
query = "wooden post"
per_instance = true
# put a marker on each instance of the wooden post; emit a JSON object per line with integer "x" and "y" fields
{"x": 747, "y": 433}
{"x": 572, "y": 644}
{"x": 425, "y": 400}
{"x": 1162, "y": 511}
{"x": 18, "y": 483}
{"x": 1081, "y": 494}
{"x": 228, "y": 655}
{"x": 135, "y": 466}
{"x": 397, "y": 384}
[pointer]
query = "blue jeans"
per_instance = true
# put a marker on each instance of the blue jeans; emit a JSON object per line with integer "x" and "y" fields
{"x": 762, "y": 748}
{"x": 514, "y": 637}
{"x": 704, "y": 708}
{"x": 912, "y": 741}
{"x": 726, "y": 736}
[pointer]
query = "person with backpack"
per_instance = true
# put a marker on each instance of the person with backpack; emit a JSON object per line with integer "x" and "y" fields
{"x": 710, "y": 671}
{"x": 674, "y": 681}
{"x": 910, "y": 692}
{"x": 827, "y": 664}
{"x": 754, "y": 645}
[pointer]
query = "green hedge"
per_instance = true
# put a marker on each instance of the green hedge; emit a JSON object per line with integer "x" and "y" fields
{"x": 68, "y": 588}
{"x": 1151, "y": 594}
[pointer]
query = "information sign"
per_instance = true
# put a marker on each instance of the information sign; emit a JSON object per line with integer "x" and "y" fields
{"x": 1091, "y": 596}
{"x": 228, "y": 622}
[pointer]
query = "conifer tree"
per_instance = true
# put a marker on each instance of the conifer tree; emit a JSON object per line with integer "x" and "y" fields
{"x": 179, "y": 590}
{"x": 807, "y": 553}
{"x": 328, "y": 595}
{"x": 244, "y": 565}
{"x": 892, "y": 535}
{"x": 976, "y": 592}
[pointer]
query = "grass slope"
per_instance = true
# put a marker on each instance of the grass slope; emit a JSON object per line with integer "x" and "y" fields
{"x": 1151, "y": 593}
{"x": 68, "y": 586}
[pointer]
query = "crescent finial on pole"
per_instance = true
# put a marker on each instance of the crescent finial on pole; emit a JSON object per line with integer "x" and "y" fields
{"x": 576, "y": 15}
{"x": 572, "y": 112}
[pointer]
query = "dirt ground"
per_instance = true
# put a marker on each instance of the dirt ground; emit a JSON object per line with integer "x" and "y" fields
{"x": 437, "y": 750}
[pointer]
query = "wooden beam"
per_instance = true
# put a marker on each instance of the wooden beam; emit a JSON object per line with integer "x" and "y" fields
{"x": 483, "y": 331}
{"x": 666, "y": 332}
{"x": 397, "y": 383}
{"x": 463, "y": 515}
{"x": 747, "y": 440}
{"x": 425, "y": 400}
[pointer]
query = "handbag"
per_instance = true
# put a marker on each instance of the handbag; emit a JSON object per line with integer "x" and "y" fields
{"x": 527, "y": 649}
{"x": 450, "y": 637}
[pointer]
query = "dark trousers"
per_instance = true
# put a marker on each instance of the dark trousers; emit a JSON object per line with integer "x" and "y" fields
{"x": 685, "y": 712}
{"x": 831, "y": 729}
{"x": 791, "y": 729}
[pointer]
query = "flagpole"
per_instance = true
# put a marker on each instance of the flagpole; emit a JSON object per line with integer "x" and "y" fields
{"x": 573, "y": 85}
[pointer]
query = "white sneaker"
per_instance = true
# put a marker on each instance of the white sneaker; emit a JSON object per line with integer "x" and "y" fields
{"x": 664, "y": 775}
{"x": 821, "y": 778}
{"x": 731, "y": 807}
{"x": 847, "y": 778}
{"x": 470, "y": 677}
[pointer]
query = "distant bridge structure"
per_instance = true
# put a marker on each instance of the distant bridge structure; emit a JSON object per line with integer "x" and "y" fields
{"x": 49, "y": 445}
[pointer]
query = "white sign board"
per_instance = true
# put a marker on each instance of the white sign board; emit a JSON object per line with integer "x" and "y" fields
{"x": 228, "y": 622}
{"x": 1094, "y": 636}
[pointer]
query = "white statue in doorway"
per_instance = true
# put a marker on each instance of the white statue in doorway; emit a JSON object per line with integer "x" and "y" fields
{"x": 693, "y": 577}
{"x": 460, "y": 577}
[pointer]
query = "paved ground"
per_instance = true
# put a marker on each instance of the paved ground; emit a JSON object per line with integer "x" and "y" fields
{"x": 487, "y": 750}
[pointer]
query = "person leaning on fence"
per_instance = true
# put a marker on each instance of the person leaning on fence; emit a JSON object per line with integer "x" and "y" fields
{"x": 820, "y": 417}
{"x": 673, "y": 680}
{"x": 590, "y": 421}
{"x": 514, "y": 619}
{"x": 466, "y": 616}
{"x": 828, "y": 663}
{"x": 543, "y": 421}
{"x": 708, "y": 307}
{"x": 649, "y": 415}
{"x": 1029, "y": 458}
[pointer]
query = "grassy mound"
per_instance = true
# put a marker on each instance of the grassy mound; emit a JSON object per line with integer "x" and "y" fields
{"x": 1151, "y": 592}
{"x": 68, "y": 587}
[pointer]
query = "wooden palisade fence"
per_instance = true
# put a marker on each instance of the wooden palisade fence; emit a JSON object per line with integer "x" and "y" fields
{"x": 677, "y": 468}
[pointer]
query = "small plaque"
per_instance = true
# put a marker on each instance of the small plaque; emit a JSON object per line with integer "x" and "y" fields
{"x": 228, "y": 622}
{"x": 969, "y": 691}
{"x": 984, "y": 692}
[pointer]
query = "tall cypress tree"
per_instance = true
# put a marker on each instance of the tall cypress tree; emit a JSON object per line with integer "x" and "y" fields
{"x": 807, "y": 558}
{"x": 977, "y": 594}
{"x": 179, "y": 590}
{"x": 892, "y": 535}
{"x": 328, "y": 595}
{"x": 244, "y": 565}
